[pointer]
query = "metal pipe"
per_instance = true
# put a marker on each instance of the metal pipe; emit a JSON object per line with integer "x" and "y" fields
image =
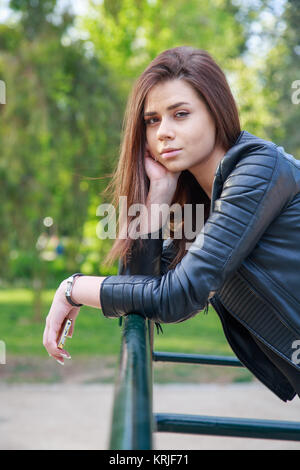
{"x": 234, "y": 427}
{"x": 132, "y": 420}
{"x": 197, "y": 359}
{"x": 132, "y": 417}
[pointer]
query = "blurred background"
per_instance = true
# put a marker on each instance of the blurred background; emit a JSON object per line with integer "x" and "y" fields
{"x": 68, "y": 68}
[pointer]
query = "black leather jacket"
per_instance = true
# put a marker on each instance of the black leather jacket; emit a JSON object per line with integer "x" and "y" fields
{"x": 245, "y": 262}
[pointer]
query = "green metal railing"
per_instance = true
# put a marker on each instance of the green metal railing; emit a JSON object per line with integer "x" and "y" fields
{"x": 133, "y": 421}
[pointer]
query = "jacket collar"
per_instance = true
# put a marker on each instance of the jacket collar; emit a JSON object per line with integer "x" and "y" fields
{"x": 244, "y": 141}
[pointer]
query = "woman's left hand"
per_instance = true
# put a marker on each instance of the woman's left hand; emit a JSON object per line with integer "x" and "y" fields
{"x": 59, "y": 310}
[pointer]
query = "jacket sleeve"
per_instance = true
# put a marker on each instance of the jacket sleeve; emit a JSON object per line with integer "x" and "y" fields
{"x": 253, "y": 194}
{"x": 153, "y": 256}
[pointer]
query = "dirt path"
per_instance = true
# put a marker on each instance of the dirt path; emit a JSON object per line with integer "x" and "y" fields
{"x": 74, "y": 416}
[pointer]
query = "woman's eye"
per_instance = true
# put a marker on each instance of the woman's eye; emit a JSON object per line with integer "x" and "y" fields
{"x": 154, "y": 120}
{"x": 182, "y": 113}
{"x": 150, "y": 121}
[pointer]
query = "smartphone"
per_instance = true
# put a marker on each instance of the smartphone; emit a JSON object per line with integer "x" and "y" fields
{"x": 64, "y": 333}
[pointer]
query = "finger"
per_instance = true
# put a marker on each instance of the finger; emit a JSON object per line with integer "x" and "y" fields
{"x": 45, "y": 335}
{"x": 60, "y": 355}
{"x": 54, "y": 331}
{"x": 59, "y": 359}
{"x": 63, "y": 354}
{"x": 52, "y": 337}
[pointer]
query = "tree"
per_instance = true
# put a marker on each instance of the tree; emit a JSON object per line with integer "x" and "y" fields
{"x": 60, "y": 125}
{"x": 128, "y": 34}
{"x": 280, "y": 73}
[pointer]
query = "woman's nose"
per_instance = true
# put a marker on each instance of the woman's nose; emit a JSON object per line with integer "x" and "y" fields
{"x": 165, "y": 130}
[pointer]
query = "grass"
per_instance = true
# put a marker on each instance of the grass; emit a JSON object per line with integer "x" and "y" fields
{"x": 97, "y": 336}
{"x": 22, "y": 333}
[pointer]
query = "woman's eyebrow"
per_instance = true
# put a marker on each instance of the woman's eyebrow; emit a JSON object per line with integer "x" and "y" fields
{"x": 172, "y": 106}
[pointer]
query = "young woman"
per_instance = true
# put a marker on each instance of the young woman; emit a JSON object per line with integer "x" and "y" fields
{"x": 183, "y": 145}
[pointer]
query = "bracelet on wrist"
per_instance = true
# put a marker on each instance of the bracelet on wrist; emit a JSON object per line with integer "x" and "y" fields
{"x": 70, "y": 284}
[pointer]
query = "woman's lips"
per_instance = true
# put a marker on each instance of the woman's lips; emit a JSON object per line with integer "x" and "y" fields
{"x": 171, "y": 153}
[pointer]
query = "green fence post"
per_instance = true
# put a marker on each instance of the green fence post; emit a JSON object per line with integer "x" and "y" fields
{"x": 132, "y": 421}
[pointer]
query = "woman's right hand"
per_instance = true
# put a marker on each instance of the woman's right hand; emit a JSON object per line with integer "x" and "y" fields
{"x": 158, "y": 174}
{"x": 163, "y": 184}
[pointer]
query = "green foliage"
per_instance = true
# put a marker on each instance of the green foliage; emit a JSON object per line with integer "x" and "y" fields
{"x": 61, "y": 125}
{"x": 280, "y": 72}
{"x": 129, "y": 35}
{"x": 132, "y": 33}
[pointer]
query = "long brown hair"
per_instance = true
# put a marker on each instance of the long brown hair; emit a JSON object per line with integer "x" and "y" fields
{"x": 197, "y": 68}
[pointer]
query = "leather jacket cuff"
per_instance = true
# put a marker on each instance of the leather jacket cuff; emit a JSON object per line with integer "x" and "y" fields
{"x": 119, "y": 297}
{"x": 144, "y": 259}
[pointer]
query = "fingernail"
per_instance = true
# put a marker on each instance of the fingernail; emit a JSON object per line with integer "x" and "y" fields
{"x": 65, "y": 356}
{"x": 60, "y": 362}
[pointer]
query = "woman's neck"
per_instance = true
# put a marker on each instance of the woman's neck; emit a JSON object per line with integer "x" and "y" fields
{"x": 205, "y": 171}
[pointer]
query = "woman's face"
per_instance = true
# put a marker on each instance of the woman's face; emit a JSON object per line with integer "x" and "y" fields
{"x": 177, "y": 118}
